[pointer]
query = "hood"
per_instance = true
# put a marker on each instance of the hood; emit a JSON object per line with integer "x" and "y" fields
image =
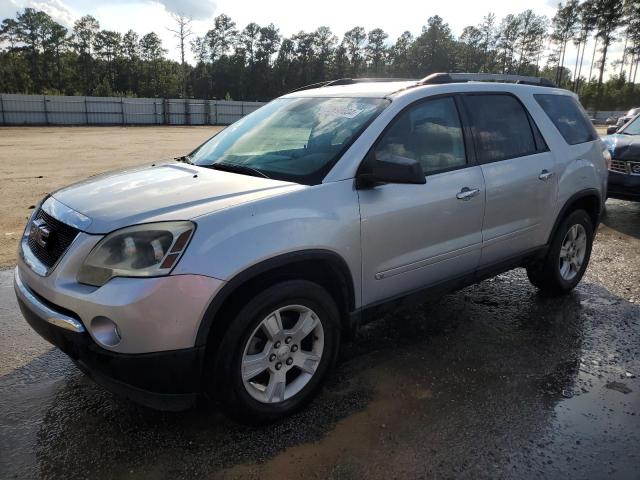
{"x": 623, "y": 147}
{"x": 172, "y": 191}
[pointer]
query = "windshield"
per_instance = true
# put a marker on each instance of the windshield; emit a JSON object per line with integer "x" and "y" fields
{"x": 633, "y": 112}
{"x": 293, "y": 139}
{"x": 632, "y": 128}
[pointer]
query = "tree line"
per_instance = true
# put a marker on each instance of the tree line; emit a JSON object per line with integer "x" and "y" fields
{"x": 39, "y": 55}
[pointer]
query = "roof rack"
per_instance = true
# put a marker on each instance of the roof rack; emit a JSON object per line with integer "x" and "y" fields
{"x": 350, "y": 81}
{"x": 440, "y": 78}
{"x": 310, "y": 86}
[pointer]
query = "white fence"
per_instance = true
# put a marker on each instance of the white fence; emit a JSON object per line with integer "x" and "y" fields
{"x": 60, "y": 110}
{"x": 18, "y": 109}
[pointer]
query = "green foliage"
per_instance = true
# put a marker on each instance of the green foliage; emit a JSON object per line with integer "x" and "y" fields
{"x": 103, "y": 89}
{"x": 37, "y": 55}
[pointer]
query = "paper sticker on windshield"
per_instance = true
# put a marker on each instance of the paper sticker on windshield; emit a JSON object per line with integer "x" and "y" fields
{"x": 345, "y": 110}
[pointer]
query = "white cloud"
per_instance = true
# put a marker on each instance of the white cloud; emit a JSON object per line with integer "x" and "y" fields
{"x": 57, "y": 9}
{"x": 60, "y": 12}
{"x": 8, "y": 8}
{"x": 196, "y": 9}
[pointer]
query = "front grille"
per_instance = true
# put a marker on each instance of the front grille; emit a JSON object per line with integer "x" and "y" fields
{"x": 60, "y": 237}
{"x": 619, "y": 166}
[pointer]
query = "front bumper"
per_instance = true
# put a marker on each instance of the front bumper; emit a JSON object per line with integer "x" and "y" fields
{"x": 624, "y": 187}
{"x": 168, "y": 380}
{"x": 152, "y": 314}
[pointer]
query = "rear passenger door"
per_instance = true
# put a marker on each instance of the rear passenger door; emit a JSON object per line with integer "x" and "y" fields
{"x": 419, "y": 235}
{"x": 519, "y": 175}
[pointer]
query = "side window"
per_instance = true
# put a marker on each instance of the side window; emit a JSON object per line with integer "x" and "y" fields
{"x": 429, "y": 132}
{"x": 569, "y": 118}
{"x": 541, "y": 143}
{"x": 500, "y": 127}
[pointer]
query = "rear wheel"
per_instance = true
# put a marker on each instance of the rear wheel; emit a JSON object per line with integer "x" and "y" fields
{"x": 568, "y": 256}
{"x": 275, "y": 355}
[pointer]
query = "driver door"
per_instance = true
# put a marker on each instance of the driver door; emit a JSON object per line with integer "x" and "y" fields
{"x": 414, "y": 236}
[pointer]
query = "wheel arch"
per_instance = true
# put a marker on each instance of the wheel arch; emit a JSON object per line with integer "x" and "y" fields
{"x": 588, "y": 200}
{"x": 324, "y": 267}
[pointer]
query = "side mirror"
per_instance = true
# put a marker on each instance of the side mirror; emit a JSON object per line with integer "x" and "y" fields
{"x": 394, "y": 169}
{"x": 612, "y": 130}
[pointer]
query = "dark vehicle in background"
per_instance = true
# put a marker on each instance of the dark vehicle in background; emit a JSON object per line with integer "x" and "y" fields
{"x": 623, "y": 120}
{"x": 624, "y": 172}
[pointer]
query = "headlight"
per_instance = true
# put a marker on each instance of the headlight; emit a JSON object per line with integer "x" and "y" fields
{"x": 607, "y": 158}
{"x": 27, "y": 227}
{"x": 608, "y": 149}
{"x": 148, "y": 250}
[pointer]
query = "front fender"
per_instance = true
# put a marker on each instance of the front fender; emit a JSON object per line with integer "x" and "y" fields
{"x": 322, "y": 217}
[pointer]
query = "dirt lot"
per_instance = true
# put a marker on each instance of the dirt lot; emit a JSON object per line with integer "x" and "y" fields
{"x": 35, "y": 161}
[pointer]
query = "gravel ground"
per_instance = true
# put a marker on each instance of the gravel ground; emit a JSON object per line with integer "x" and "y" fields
{"x": 494, "y": 381}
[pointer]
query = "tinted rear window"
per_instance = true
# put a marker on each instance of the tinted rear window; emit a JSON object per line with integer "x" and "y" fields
{"x": 569, "y": 118}
{"x": 500, "y": 127}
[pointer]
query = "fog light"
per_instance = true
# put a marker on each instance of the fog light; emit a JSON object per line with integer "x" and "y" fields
{"x": 105, "y": 331}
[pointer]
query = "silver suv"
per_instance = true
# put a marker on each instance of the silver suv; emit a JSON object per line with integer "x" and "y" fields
{"x": 234, "y": 272}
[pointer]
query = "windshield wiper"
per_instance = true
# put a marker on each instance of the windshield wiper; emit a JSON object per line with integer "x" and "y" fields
{"x": 238, "y": 168}
{"x": 184, "y": 159}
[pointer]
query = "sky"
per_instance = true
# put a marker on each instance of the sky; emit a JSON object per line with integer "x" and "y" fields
{"x": 290, "y": 16}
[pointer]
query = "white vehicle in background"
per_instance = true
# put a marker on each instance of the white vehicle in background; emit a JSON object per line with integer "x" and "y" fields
{"x": 624, "y": 119}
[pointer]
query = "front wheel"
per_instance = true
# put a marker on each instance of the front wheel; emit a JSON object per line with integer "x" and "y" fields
{"x": 568, "y": 256}
{"x": 276, "y": 353}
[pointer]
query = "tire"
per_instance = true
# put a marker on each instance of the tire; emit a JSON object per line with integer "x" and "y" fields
{"x": 556, "y": 275}
{"x": 248, "y": 337}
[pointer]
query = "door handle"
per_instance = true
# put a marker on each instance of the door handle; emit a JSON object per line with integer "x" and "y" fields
{"x": 545, "y": 175}
{"x": 467, "y": 193}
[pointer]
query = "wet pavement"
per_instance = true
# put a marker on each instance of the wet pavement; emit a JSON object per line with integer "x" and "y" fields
{"x": 494, "y": 381}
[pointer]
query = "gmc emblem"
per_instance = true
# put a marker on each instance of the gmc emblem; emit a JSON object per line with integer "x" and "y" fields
{"x": 40, "y": 232}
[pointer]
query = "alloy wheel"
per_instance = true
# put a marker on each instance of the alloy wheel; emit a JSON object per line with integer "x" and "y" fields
{"x": 282, "y": 354}
{"x": 573, "y": 252}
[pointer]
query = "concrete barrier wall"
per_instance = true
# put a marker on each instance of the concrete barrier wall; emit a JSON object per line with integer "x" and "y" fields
{"x": 18, "y": 109}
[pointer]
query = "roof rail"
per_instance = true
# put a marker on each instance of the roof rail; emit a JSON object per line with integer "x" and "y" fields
{"x": 310, "y": 86}
{"x": 440, "y": 78}
{"x": 350, "y": 81}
